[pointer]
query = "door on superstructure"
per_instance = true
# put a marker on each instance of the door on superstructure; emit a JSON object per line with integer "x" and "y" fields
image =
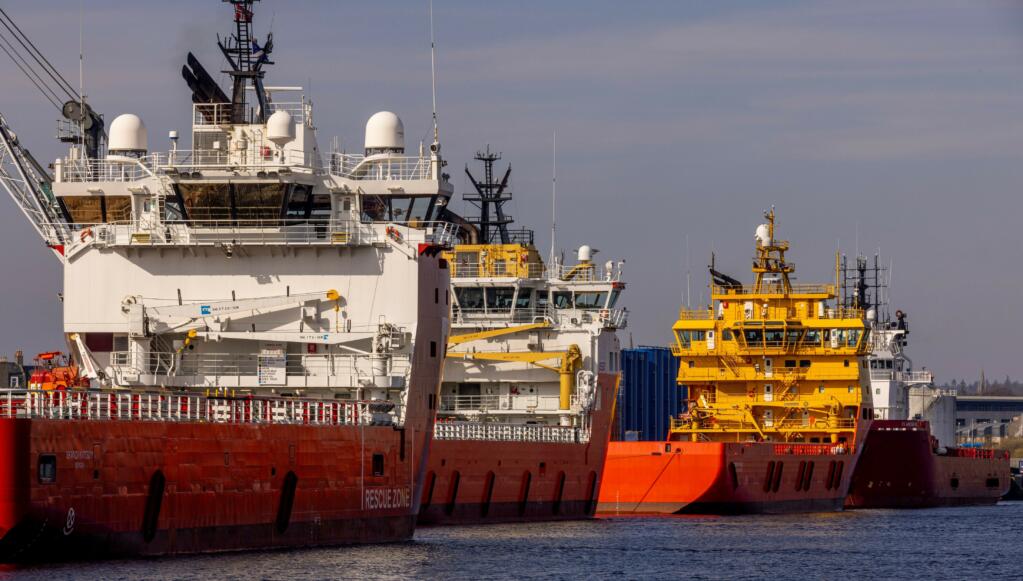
{"x": 768, "y": 392}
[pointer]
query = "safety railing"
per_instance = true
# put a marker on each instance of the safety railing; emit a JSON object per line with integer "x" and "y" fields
{"x": 461, "y": 315}
{"x": 102, "y": 170}
{"x": 498, "y": 403}
{"x": 227, "y": 232}
{"x": 332, "y": 370}
{"x": 444, "y": 430}
{"x": 220, "y": 114}
{"x": 165, "y": 406}
{"x": 380, "y": 167}
{"x": 256, "y": 156}
{"x": 812, "y": 449}
{"x": 592, "y": 272}
{"x": 497, "y": 269}
{"x": 695, "y": 314}
{"x": 774, "y": 288}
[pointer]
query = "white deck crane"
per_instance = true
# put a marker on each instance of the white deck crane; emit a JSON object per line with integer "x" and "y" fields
{"x": 24, "y": 178}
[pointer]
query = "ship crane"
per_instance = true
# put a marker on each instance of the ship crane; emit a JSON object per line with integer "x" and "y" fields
{"x": 24, "y": 178}
{"x": 29, "y": 186}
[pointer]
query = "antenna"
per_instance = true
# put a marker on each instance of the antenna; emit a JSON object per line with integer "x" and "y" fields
{"x": 554, "y": 197}
{"x": 433, "y": 76}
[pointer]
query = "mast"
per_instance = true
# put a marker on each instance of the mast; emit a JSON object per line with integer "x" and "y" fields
{"x": 770, "y": 259}
{"x": 490, "y": 198}
{"x": 246, "y": 58}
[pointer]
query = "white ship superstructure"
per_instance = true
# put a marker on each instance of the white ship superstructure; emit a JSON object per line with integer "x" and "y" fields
{"x": 528, "y": 339}
{"x": 898, "y": 391}
{"x": 249, "y": 261}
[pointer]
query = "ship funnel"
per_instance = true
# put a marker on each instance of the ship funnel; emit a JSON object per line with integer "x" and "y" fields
{"x": 385, "y": 133}
{"x": 128, "y": 136}
{"x": 763, "y": 235}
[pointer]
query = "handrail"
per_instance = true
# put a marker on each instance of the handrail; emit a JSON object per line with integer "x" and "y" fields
{"x": 774, "y": 289}
{"x": 445, "y": 430}
{"x": 380, "y": 167}
{"x": 168, "y": 406}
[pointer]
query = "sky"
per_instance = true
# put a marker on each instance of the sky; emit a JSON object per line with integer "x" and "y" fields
{"x": 874, "y": 126}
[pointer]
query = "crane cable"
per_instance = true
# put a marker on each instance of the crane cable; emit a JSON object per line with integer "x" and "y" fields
{"x": 50, "y": 91}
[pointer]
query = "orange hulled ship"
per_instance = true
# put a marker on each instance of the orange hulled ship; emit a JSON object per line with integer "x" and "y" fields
{"x": 772, "y": 414}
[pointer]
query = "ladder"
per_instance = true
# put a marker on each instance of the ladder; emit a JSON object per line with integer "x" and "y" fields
{"x": 29, "y": 185}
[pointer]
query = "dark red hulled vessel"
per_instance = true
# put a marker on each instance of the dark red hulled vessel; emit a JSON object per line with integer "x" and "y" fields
{"x": 902, "y": 466}
{"x": 909, "y": 457}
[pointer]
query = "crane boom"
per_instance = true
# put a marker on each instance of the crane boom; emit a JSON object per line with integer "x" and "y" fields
{"x": 29, "y": 186}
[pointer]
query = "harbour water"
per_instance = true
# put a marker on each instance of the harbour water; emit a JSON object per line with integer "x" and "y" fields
{"x": 947, "y": 543}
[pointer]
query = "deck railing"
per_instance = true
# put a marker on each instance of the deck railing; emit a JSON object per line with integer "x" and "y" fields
{"x": 383, "y": 167}
{"x": 163, "y": 406}
{"x": 304, "y": 370}
{"x": 510, "y": 432}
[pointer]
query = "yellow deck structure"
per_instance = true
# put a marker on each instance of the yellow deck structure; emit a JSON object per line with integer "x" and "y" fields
{"x": 774, "y": 361}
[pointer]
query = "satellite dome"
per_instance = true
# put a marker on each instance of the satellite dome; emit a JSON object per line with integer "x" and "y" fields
{"x": 763, "y": 235}
{"x": 585, "y": 253}
{"x": 128, "y": 135}
{"x": 385, "y": 133}
{"x": 279, "y": 128}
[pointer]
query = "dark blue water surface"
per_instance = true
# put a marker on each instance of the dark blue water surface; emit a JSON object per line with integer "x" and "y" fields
{"x": 949, "y": 543}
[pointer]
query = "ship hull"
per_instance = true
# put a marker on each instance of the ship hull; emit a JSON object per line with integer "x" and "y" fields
{"x": 723, "y": 478}
{"x": 476, "y": 482}
{"x": 161, "y": 488}
{"x": 899, "y": 468}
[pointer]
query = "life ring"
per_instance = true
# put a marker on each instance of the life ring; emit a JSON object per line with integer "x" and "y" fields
{"x": 266, "y": 152}
{"x": 393, "y": 234}
{"x": 87, "y": 233}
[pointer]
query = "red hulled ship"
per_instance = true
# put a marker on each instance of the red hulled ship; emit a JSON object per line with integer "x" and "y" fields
{"x": 257, "y": 336}
{"x": 530, "y": 375}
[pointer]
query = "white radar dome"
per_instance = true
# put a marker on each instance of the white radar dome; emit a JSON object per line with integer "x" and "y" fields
{"x": 128, "y": 135}
{"x": 871, "y": 314}
{"x": 585, "y": 253}
{"x": 385, "y": 133}
{"x": 280, "y": 129}
{"x": 763, "y": 235}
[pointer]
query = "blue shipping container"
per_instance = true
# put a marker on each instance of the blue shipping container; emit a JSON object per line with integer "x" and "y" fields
{"x": 648, "y": 395}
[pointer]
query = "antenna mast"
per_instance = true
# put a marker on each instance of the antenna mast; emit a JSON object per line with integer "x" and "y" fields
{"x": 433, "y": 77}
{"x": 554, "y": 198}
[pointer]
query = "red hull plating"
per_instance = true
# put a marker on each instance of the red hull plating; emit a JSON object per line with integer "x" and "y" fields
{"x": 223, "y": 487}
{"x": 720, "y": 478}
{"x": 86, "y": 489}
{"x": 472, "y": 482}
{"x": 899, "y": 468}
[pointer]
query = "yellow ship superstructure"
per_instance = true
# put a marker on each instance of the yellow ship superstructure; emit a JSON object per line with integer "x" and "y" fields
{"x": 775, "y": 361}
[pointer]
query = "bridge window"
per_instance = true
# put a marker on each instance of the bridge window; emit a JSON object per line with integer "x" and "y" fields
{"x": 562, "y": 299}
{"x": 614, "y": 298}
{"x": 374, "y": 209}
{"x": 854, "y": 337}
{"x": 792, "y": 336}
{"x": 207, "y": 201}
{"x": 812, "y": 338}
{"x": 590, "y": 300}
{"x": 754, "y": 337}
{"x": 499, "y": 299}
{"x": 258, "y": 201}
{"x": 774, "y": 337}
{"x": 469, "y": 297}
{"x": 524, "y": 299}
